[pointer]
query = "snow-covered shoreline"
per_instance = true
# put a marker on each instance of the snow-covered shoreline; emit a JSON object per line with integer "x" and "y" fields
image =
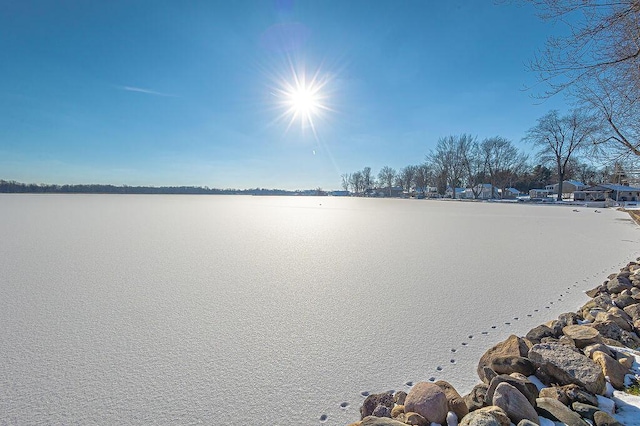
{"x": 573, "y": 370}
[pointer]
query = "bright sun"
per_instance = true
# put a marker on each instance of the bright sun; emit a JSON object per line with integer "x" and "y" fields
{"x": 302, "y": 99}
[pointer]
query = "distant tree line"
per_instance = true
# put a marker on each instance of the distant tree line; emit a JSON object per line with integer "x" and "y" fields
{"x": 18, "y": 187}
{"x": 564, "y": 144}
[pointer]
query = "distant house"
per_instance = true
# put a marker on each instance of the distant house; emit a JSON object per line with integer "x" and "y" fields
{"x": 340, "y": 193}
{"x": 608, "y": 191}
{"x": 395, "y": 191}
{"x": 511, "y": 193}
{"x": 449, "y": 193}
{"x": 539, "y": 193}
{"x": 568, "y": 187}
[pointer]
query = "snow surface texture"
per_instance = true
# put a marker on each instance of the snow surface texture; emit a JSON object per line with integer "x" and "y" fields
{"x": 272, "y": 310}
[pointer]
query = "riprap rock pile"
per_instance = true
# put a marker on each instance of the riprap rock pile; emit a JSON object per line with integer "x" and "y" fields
{"x": 562, "y": 370}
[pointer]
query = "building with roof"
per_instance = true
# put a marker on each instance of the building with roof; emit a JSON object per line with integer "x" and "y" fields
{"x": 608, "y": 191}
{"x": 568, "y": 187}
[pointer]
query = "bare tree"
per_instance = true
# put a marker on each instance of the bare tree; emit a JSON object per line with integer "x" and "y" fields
{"x": 407, "y": 176}
{"x": 503, "y": 161}
{"x": 357, "y": 182}
{"x": 560, "y": 138}
{"x": 448, "y": 159}
{"x": 423, "y": 177}
{"x": 386, "y": 176}
{"x": 475, "y": 167}
{"x": 346, "y": 181}
{"x": 598, "y": 62}
{"x": 367, "y": 181}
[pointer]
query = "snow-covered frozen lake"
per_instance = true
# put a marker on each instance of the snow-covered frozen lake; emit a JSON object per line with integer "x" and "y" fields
{"x": 272, "y": 310}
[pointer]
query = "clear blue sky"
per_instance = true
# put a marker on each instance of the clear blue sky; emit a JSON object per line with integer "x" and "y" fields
{"x": 190, "y": 92}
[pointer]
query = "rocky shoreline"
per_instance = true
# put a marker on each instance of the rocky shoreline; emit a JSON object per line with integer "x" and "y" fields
{"x": 565, "y": 370}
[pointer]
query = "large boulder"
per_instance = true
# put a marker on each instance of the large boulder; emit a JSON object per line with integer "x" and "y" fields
{"x": 611, "y": 368}
{"x": 514, "y": 403}
{"x": 512, "y": 346}
{"x": 454, "y": 400}
{"x": 373, "y": 401}
{"x": 428, "y": 400}
{"x": 582, "y": 335}
{"x": 566, "y": 366}
{"x": 555, "y": 410}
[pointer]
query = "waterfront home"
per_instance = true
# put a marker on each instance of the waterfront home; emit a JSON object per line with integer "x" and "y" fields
{"x": 608, "y": 191}
{"x": 510, "y": 193}
{"x": 568, "y": 187}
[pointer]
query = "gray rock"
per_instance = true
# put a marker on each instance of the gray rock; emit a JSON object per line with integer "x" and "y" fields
{"x": 585, "y": 411}
{"x": 618, "y": 284}
{"x": 624, "y": 300}
{"x": 399, "y": 397}
{"x": 489, "y": 374}
{"x": 537, "y": 333}
{"x": 373, "y": 400}
{"x": 575, "y": 393}
{"x": 382, "y": 411}
{"x": 568, "y": 318}
{"x": 554, "y": 392}
{"x": 526, "y": 388}
{"x": 555, "y": 410}
{"x": 566, "y": 366}
{"x": 613, "y": 331}
{"x": 526, "y": 422}
{"x": 601, "y": 418}
{"x": 512, "y": 364}
{"x": 596, "y": 291}
{"x": 475, "y": 399}
{"x": 428, "y": 400}
{"x": 514, "y": 403}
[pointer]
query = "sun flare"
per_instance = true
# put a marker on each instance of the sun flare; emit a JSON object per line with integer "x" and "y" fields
{"x": 302, "y": 99}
